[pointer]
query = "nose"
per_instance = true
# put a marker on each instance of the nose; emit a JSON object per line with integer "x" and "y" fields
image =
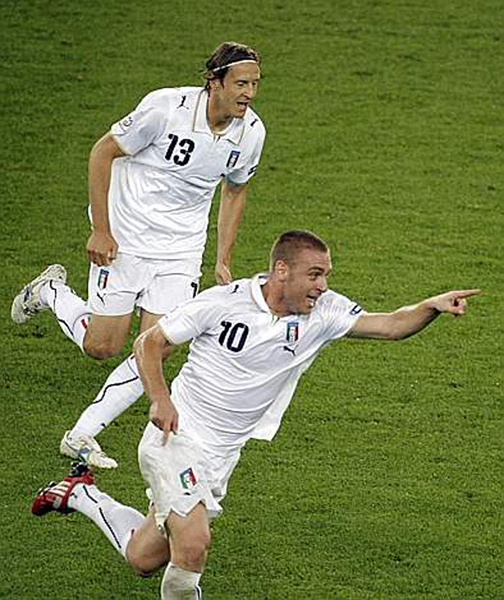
{"x": 250, "y": 91}
{"x": 322, "y": 284}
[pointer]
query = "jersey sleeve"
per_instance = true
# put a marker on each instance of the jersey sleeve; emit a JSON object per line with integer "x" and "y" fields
{"x": 340, "y": 314}
{"x": 143, "y": 126}
{"x": 192, "y": 318}
{"x": 246, "y": 171}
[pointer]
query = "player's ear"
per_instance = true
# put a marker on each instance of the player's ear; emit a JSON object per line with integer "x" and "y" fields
{"x": 281, "y": 270}
{"x": 215, "y": 84}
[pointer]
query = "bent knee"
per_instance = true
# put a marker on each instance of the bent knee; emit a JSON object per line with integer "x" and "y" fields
{"x": 106, "y": 336}
{"x": 102, "y": 350}
{"x": 144, "y": 566}
{"x": 142, "y": 573}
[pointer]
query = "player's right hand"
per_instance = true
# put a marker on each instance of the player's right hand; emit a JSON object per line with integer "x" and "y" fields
{"x": 164, "y": 416}
{"x": 101, "y": 248}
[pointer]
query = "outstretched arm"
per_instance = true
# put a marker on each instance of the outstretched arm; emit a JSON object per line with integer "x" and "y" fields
{"x": 231, "y": 209}
{"x": 149, "y": 348}
{"x": 408, "y": 320}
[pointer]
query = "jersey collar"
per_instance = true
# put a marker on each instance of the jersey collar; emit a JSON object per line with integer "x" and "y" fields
{"x": 234, "y": 132}
{"x": 255, "y": 289}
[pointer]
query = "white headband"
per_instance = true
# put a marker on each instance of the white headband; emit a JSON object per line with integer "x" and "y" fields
{"x": 236, "y": 62}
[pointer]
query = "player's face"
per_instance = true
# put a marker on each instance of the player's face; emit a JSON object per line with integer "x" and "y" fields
{"x": 306, "y": 280}
{"x": 234, "y": 95}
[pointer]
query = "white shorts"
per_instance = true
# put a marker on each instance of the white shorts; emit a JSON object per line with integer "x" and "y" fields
{"x": 181, "y": 474}
{"x": 130, "y": 281}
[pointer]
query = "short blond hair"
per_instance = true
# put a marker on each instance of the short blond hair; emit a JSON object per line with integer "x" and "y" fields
{"x": 289, "y": 244}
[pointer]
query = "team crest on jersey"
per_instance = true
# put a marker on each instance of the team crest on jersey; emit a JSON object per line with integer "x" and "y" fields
{"x": 233, "y": 159}
{"x": 292, "y": 331}
{"x": 103, "y": 278}
{"x": 188, "y": 479}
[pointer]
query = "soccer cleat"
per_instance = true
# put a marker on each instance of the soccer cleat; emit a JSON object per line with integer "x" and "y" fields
{"x": 55, "y": 496}
{"x": 86, "y": 449}
{"x": 27, "y": 303}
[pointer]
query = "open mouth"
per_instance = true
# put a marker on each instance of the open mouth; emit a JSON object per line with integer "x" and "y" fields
{"x": 312, "y": 300}
{"x": 243, "y": 105}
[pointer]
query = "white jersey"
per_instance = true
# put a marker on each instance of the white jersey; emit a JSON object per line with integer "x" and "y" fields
{"x": 244, "y": 362}
{"x": 160, "y": 194}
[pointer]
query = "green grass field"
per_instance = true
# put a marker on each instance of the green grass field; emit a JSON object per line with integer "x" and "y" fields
{"x": 385, "y": 136}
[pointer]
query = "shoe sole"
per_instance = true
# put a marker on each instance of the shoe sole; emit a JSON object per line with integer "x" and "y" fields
{"x": 18, "y": 313}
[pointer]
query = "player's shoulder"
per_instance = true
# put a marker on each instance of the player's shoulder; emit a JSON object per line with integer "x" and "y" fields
{"x": 238, "y": 289}
{"x": 235, "y": 289}
{"x": 191, "y": 94}
{"x": 332, "y": 301}
{"x": 228, "y": 293}
{"x": 331, "y": 297}
{"x": 253, "y": 124}
{"x": 235, "y": 295}
{"x": 220, "y": 301}
{"x": 167, "y": 98}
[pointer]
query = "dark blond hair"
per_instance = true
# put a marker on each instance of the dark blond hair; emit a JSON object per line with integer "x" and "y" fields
{"x": 226, "y": 54}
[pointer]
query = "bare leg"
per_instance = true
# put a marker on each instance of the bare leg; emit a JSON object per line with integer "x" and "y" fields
{"x": 106, "y": 336}
{"x": 189, "y": 541}
{"x": 122, "y": 388}
{"x": 148, "y": 548}
{"x": 189, "y": 538}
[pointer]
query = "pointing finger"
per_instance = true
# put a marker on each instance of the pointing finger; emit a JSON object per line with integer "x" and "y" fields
{"x": 165, "y": 436}
{"x": 466, "y": 293}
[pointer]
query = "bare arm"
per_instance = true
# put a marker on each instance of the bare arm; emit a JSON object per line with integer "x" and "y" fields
{"x": 408, "y": 320}
{"x": 148, "y": 348}
{"x": 231, "y": 209}
{"x": 101, "y": 246}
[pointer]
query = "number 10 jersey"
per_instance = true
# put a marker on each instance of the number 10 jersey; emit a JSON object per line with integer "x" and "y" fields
{"x": 245, "y": 362}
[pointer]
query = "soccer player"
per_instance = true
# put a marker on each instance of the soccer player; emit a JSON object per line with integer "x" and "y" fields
{"x": 151, "y": 183}
{"x": 251, "y": 342}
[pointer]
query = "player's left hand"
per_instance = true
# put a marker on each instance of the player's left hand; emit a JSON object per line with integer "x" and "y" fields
{"x": 223, "y": 274}
{"x": 453, "y": 302}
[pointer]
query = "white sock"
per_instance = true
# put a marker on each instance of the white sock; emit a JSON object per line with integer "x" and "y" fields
{"x": 122, "y": 389}
{"x": 118, "y": 522}
{"x": 179, "y": 584}
{"x": 71, "y": 312}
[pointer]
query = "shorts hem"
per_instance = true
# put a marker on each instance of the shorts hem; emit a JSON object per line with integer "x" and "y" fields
{"x": 115, "y": 314}
{"x": 160, "y": 517}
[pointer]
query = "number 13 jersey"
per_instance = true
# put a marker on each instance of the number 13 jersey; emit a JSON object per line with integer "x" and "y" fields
{"x": 161, "y": 192}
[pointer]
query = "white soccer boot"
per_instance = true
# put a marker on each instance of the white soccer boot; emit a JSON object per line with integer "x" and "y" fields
{"x": 27, "y": 303}
{"x": 87, "y": 449}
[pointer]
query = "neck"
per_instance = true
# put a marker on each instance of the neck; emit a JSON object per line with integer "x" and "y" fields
{"x": 274, "y": 299}
{"x": 217, "y": 120}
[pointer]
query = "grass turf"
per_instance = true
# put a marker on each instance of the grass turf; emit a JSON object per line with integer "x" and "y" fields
{"x": 385, "y": 128}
